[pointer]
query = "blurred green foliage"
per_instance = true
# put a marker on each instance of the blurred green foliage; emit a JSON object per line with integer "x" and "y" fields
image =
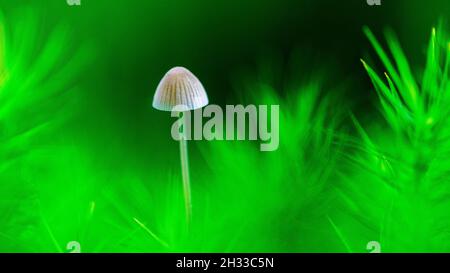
{"x": 83, "y": 157}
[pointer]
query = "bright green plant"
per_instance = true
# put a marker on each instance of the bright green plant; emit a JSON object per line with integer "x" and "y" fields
{"x": 397, "y": 186}
{"x": 36, "y": 97}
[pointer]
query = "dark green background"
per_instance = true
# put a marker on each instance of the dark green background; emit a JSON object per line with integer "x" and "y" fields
{"x": 113, "y": 149}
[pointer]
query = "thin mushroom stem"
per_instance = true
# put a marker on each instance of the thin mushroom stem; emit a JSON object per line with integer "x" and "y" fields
{"x": 186, "y": 180}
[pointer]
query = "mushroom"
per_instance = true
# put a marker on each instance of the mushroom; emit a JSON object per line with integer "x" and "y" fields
{"x": 180, "y": 88}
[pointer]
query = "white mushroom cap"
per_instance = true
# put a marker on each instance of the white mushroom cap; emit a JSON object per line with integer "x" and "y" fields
{"x": 180, "y": 87}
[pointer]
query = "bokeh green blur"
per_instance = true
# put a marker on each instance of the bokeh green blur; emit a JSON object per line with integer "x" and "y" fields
{"x": 84, "y": 157}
